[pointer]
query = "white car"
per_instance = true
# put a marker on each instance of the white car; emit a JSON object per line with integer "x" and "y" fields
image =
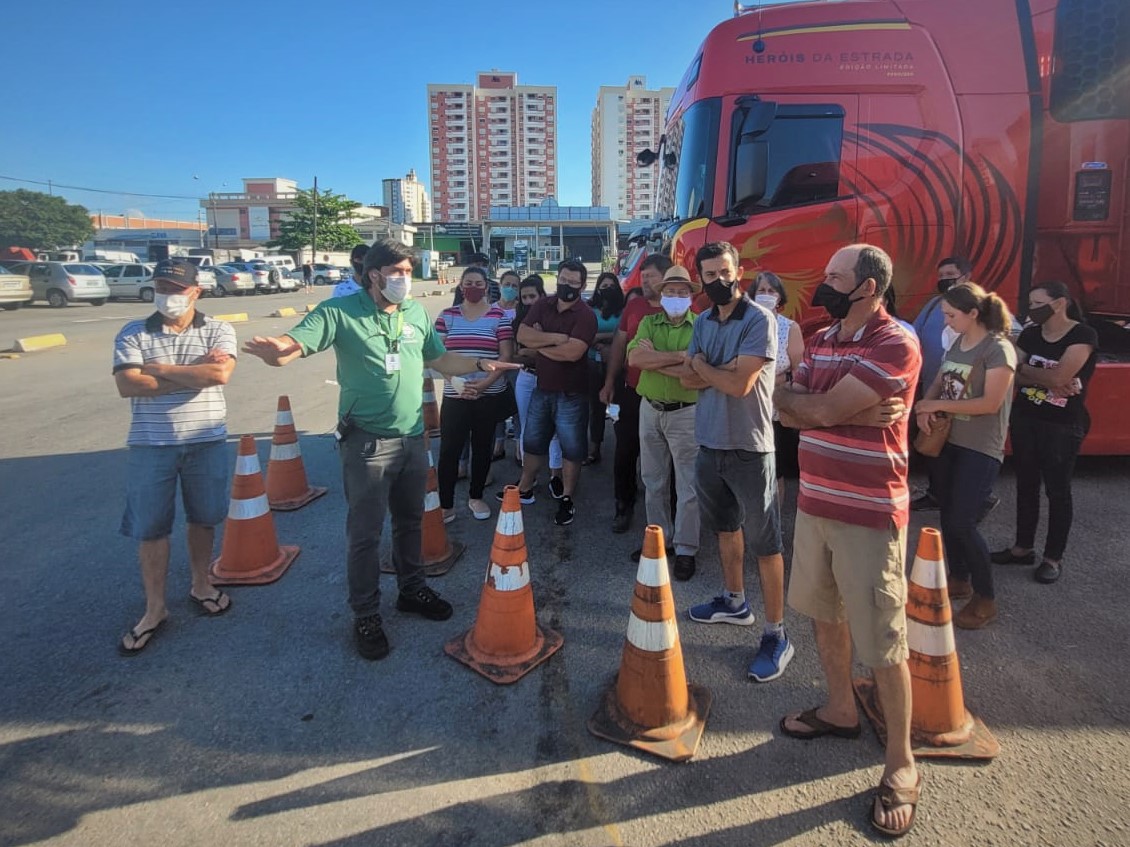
{"x": 60, "y": 283}
{"x": 134, "y": 281}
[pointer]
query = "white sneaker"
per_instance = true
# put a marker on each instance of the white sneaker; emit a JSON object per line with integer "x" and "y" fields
{"x": 480, "y": 511}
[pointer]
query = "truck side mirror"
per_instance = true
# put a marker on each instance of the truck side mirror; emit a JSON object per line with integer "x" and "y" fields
{"x": 751, "y": 166}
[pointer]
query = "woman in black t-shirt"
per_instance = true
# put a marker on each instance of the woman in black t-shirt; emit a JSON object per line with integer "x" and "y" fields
{"x": 1048, "y": 424}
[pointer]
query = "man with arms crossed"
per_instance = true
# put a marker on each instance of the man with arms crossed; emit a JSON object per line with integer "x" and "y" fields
{"x": 852, "y": 511}
{"x": 731, "y": 354}
{"x": 173, "y": 366}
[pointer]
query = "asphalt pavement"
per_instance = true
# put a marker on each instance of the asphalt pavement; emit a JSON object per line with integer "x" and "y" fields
{"x": 264, "y": 727}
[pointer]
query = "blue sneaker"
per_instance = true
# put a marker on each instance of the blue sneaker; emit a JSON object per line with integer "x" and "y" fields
{"x": 718, "y": 611}
{"x": 772, "y": 658}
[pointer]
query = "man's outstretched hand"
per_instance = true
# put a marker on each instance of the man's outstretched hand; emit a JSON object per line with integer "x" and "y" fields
{"x": 271, "y": 350}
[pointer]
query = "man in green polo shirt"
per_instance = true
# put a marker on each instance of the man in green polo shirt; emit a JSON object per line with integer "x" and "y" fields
{"x": 383, "y": 341}
{"x": 667, "y": 417}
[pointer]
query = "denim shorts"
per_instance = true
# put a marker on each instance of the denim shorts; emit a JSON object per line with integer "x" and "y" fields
{"x": 566, "y": 415}
{"x": 151, "y": 487}
{"x": 737, "y": 489}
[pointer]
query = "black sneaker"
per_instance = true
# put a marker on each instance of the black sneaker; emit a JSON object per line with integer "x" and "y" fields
{"x": 1047, "y": 572}
{"x": 425, "y": 602}
{"x": 556, "y": 487}
{"x": 370, "y": 638}
{"x": 526, "y": 498}
{"x": 1007, "y": 557}
{"x": 684, "y": 567}
{"x": 622, "y": 522}
{"x": 565, "y": 511}
{"x": 924, "y": 502}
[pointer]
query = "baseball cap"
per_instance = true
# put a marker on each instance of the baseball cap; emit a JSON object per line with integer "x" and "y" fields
{"x": 178, "y": 273}
{"x": 677, "y": 273}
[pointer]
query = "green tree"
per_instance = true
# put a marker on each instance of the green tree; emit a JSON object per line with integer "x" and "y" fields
{"x": 41, "y": 222}
{"x": 297, "y": 230}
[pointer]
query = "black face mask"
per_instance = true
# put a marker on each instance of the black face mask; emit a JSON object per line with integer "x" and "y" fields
{"x": 1040, "y": 314}
{"x": 358, "y": 269}
{"x": 835, "y": 303}
{"x": 567, "y": 293}
{"x": 945, "y": 285}
{"x": 720, "y": 292}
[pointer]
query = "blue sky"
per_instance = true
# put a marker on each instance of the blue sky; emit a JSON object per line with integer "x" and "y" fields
{"x": 132, "y": 96}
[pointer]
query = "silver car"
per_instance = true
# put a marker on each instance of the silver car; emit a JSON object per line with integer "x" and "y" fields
{"x": 232, "y": 280}
{"x": 60, "y": 283}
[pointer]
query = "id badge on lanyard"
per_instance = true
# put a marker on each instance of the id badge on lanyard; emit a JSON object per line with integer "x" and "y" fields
{"x": 392, "y": 357}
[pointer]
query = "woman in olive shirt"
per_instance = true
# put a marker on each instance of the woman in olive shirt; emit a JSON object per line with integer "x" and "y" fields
{"x": 974, "y": 388}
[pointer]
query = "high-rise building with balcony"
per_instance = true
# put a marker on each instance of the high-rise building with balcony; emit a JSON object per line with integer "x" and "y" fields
{"x": 626, "y": 120}
{"x": 407, "y": 200}
{"x": 493, "y": 143}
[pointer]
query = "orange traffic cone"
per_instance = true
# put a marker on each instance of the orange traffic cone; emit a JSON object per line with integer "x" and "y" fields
{"x": 431, "y": 407}
{"x": 506, "y": 642}
{"x": 251, "y": 554}
{"x": 437, "y": 552}
{"x": 287, "y": 487}
{"x": 651, "y": 706}
{"x": 940, "y": 725}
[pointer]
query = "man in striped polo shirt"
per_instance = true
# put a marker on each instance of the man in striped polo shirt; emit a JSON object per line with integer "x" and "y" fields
{"x": 173, "y": 366}
{"x": 849, "y": 398}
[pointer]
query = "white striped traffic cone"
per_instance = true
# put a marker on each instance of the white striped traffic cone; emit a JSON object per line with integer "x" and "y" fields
{"x": 287, "y": 486}
{"x": 251, "y": 554}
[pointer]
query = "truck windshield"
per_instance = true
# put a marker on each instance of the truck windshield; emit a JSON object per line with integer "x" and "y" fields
{"x": 687, "y": 176}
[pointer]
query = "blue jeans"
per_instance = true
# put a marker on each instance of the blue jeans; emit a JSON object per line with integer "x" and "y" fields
{"x": 560, "y": 413}
{"x": 151, "y": 487}
{"x": 965, "y": 479}
{"x": 383, "y": 475}
{"x": 524, "y": 385}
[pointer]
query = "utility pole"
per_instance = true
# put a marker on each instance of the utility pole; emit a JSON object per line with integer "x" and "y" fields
{"x": 314, "y": 246}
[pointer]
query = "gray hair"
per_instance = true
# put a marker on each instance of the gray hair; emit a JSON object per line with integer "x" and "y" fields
{"x": 874, "y": 263}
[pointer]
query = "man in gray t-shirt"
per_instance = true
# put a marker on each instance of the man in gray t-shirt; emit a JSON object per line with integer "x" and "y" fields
{"x": 173, "y": 366}
{"x": 731, "y": 355}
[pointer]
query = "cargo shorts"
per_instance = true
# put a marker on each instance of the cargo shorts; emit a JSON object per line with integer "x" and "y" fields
{"x": 843, "y": 572}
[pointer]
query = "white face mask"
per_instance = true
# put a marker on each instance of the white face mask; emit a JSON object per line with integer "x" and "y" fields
{"x": 396, "y": 288}
{"x": 949, "y": 336}
{"x": 769, "y": 301}
{"x": 675, "y": 306}
{"x": 172, "y": 305}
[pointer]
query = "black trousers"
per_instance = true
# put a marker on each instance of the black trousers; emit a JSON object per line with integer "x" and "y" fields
{"x": 625, "y": 478}
{"x": 596, "y": 408}
{"x": 1044, "y": 452}
{"x": 460, "y": 420}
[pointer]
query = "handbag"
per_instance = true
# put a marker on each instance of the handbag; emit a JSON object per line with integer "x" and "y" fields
{"x": 932, "y": 443}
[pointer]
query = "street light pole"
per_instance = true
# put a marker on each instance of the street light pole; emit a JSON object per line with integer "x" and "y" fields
{"x": 314, "y": 246}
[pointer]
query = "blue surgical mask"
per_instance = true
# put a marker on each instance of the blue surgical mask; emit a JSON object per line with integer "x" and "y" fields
{"x": 675, "y": 306}
{"x": 508, "y": 293}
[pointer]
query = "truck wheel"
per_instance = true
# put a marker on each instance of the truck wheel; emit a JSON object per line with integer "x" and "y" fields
{"x": 56, "y": 299}
{"x": 147, "y": 295}
{"x": 273, "y": 278}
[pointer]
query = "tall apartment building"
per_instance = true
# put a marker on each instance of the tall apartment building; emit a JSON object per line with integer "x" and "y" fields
{"x": 493, "y": 143}
{"x": 626, "y": 120}
{"x": 407, "y": 200}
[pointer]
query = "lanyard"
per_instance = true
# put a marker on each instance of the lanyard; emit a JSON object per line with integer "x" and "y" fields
{"x": 393, "y": 340}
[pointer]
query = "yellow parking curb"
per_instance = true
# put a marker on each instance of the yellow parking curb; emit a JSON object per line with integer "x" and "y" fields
{"x": 284, "y": 312}
{"x": 39, "y": 342}
{"x": 311, "y": 307}
{"x": 239, "y": 318}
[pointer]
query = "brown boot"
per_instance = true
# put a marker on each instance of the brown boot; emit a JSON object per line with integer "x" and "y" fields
{"x": 977, "y": 613}
{"x": 959, "y": 589}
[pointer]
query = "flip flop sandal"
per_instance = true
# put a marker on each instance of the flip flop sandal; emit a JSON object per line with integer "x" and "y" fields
{"x": 147, "y": 634}
{"x": 889, "y": 797}
{"x": 819, "y": 727}
{"x": 211, "y": 606}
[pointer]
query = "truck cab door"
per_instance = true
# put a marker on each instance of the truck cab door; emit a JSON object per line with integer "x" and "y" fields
{"x": 782, "y": 193}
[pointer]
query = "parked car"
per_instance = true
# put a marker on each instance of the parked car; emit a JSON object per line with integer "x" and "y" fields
{"x": 206, "y": 279}
{"x": 326, "y": 274}
{"x": 233, "y": 280}
{"x": 133, "y": 281}
{"x": 60, "y": 283}
{"x": 15, "y": 289}
{"x": 266, "y": 278}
